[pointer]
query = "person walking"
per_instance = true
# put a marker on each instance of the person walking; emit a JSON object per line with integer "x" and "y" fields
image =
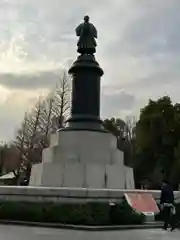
{"x": 167, "y": 205}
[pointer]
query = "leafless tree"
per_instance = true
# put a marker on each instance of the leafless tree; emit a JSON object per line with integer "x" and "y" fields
{"x": 20, "y": 143}
{"x": 62, "y": 99}
{"x": 33, "y": 135}
{"x": 45, "y": 121}
{"x": 34, "y": 121}
{"x": 26, "y": 138}
{"x": 130, "y": 137}
{"x": 130, "y": 127}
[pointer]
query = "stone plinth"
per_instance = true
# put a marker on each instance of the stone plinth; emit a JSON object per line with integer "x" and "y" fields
{"x": 82, "y": 159}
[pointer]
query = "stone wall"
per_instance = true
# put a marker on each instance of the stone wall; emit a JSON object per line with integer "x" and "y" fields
{"x": 45, "y": 194}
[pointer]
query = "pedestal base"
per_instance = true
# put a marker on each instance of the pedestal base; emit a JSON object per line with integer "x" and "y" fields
{"x": 82, "y": 159}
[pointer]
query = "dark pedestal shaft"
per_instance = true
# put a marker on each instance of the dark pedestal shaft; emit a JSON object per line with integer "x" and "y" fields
{"x": 86, "y": 94}
{"x": 85, "y": 109}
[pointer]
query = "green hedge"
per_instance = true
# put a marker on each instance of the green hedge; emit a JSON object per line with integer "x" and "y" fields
{"x": 82, "y": 214}
{"x": 123, "y": 214}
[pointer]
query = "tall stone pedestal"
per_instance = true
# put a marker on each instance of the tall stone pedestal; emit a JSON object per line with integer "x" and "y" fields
{"x": 82, "y": 159}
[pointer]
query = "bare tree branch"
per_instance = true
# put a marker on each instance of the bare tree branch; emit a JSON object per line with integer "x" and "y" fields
{"x": 32, "y": 137}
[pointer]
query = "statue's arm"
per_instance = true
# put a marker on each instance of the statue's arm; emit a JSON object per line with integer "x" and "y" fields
{"x": 78, "y": 30}
{"x": 95, "y": 33}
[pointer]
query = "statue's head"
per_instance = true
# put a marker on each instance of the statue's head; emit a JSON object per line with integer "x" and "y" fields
{"x": 86, "y": 18}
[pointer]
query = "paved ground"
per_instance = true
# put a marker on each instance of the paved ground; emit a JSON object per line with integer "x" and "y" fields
{"x": 9, "y": 232}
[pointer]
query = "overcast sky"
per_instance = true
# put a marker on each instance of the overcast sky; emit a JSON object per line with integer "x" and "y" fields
{"x": 138, "y": 48}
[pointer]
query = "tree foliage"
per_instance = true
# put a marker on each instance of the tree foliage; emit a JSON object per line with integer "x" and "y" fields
{"x": 124, "y": 131}
{"x": 157, "y": 140}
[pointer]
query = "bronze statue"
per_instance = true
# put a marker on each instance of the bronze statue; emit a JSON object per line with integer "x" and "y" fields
{"x": 87, "y": 34}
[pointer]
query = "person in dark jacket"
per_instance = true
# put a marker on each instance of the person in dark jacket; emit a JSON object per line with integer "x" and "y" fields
{"x": 167, "y": 204}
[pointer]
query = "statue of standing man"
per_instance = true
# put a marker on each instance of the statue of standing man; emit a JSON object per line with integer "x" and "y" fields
{"x": 87, "y": 34}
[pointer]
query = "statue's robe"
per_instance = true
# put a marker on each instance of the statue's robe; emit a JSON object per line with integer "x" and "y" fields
{"x": 87, "y": 34}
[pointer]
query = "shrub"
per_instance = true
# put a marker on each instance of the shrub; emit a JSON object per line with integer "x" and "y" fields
{"x": 124, "y": 215}
{"x": 82, "y": 214}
